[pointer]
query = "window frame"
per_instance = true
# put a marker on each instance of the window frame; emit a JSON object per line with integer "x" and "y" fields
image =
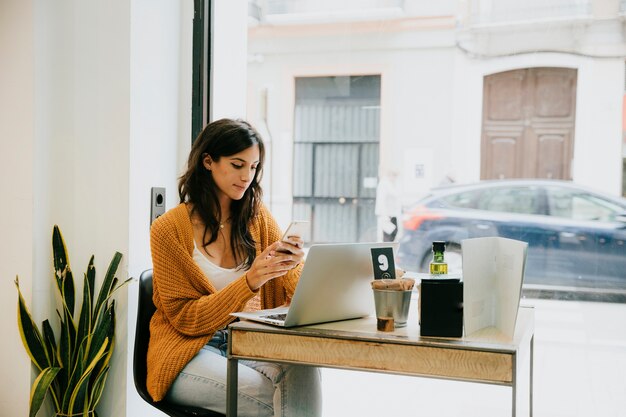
{"x": 201, "y": 64}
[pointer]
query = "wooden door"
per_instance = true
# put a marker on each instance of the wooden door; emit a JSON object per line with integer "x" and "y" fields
{"x": 528, "y": 123}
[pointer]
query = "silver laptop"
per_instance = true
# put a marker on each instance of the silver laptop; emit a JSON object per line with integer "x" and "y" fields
{"x": 334, "y": 285}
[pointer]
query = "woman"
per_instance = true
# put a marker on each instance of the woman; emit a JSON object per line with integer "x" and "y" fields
{"x": 216, "y": 253}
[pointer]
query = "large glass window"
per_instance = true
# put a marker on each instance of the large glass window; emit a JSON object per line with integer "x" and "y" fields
{"x": 448, "y": 94}
{"x": 437, "y": 93}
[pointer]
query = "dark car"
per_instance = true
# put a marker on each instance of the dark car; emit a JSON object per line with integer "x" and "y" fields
{"x": 576, "y": 237}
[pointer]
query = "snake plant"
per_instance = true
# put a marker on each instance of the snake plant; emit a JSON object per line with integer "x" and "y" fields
{"x": 73, "y": 368}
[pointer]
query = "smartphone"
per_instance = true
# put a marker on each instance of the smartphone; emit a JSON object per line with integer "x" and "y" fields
{"x": 296, "y": 228}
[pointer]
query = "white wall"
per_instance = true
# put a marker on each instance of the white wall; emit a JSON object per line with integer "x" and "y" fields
{"x": 94, "y": 110}
{"x": 228, "y": 70}
{"x": 16, "y": 176}
{"x": 598, "y": 142}
{"x": 160, "y": 130}
{"x": 82, "y": 125}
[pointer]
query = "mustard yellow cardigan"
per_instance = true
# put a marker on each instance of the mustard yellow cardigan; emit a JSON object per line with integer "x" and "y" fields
{"x": 189, "y": 310}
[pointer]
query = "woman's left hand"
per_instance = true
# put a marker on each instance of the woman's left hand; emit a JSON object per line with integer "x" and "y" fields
{"x": 289, "y": 252}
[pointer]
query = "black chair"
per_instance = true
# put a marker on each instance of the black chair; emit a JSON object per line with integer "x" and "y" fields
{"x": 145, "y": 310}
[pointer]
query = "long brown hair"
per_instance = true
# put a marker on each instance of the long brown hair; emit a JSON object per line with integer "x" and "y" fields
{"x": 223, "y": 137}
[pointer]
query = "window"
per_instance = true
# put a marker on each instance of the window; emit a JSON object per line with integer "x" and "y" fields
{"x": 578, "y": 206}
{"x": 415, "y": 75}
{"x": 523, "y": 200}
{"x": 462, "y": 200}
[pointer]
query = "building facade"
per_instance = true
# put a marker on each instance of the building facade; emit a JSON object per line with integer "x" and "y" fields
{"x": 469, "y": 90}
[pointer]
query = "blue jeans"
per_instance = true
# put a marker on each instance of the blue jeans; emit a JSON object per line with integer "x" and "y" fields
{"x": 265, "y": 389}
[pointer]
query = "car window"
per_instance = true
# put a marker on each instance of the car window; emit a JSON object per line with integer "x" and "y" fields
{"x": 577, "y": 205}
{"x": 524, "y": 200}
{"x": 465, "y": 199}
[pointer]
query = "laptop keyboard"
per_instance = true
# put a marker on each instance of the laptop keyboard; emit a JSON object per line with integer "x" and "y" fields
{"x": 280, "y": 317}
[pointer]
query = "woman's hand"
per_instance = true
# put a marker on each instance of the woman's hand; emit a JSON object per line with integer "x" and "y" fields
{"x": 292, "y": 247}
{"x": 275, "y": 261}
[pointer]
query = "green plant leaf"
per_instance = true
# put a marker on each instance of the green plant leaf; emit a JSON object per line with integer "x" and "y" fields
{"x": 70, "y": 325}
{"x": 75, "y": 370}
{"x": 30, "y": 334}
{"x": 91, "y": 278}
{"x": 107, "y": 284}
{"x": 65, "y": 353}
{"x": 68, "y": 291}
{"x": 111, "y": 336}
{"x": 49, "y": 339}
{"x": 78, "y": 393}
{"x": 105, "y": 305}
{"x": 98, "y": 385}
{"x": 40, "y": 387}
{"x": 79, "y": 401}
{"x": 59, "y": 250}
{"x": 102, "y": 331}
{"x": 62, "y": 270}
{"x": 85, "y": 322}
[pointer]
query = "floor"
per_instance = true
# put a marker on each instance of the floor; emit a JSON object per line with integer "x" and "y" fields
{"x": 580, "y": 370}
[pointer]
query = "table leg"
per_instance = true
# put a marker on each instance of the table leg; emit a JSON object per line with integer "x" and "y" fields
{"x": 231, "y": 387}
{"x": 530, "y": 382}
{"x": 514, "y": 388}
{"x": 530, "y": 394}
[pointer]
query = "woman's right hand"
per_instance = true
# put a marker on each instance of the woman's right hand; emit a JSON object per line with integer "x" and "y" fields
{"x": 268, "y": 265}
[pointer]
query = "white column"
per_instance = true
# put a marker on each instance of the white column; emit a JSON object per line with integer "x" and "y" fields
{"x": 230, "y": 45}
{"x": 16, "y": 194}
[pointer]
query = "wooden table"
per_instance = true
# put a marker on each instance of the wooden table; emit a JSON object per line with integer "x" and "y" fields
{"x": 486, "y": 356}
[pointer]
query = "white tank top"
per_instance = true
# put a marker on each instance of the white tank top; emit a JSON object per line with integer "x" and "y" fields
{"x": 219, "y": 277}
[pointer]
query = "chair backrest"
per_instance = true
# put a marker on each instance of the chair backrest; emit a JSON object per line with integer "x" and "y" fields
{"x": 145, "y": 310}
